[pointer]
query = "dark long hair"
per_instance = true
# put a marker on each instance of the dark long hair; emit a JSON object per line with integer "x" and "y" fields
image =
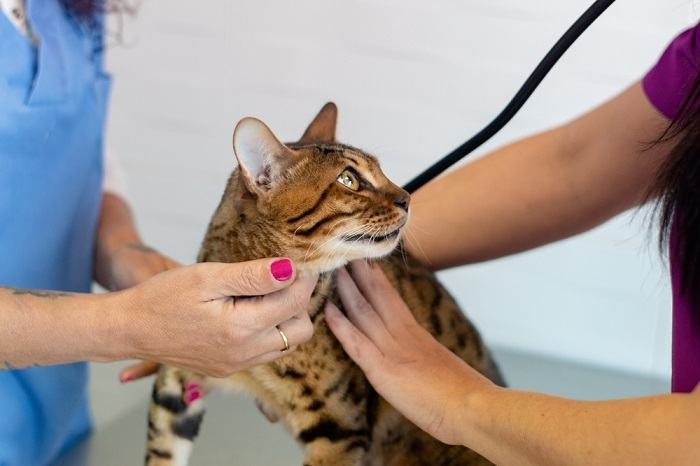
{"x": 89, "y": 13}
{"x": 87, "y": 9}
{"x": 677, "y": 189}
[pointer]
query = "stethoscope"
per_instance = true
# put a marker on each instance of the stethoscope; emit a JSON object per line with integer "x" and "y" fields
{"x": 524, "y": 93}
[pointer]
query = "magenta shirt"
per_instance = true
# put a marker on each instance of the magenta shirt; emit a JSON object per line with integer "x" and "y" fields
{"x": 665, "y": 86}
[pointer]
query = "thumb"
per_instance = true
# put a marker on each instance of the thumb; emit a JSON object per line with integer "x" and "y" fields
{"x": 253, "y": 278}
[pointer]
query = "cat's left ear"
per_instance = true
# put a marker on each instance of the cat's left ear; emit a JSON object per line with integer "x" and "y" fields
{"x": 322, "y": 128}
{"x": 262, "y": 157}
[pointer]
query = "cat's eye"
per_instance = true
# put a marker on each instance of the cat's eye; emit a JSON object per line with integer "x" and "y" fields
{"x": 348, "y": 179}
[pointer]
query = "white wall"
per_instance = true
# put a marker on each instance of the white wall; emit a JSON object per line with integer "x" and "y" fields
{"x": 412, "y": 80}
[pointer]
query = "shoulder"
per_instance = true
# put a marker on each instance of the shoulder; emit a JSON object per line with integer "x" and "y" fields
{"x": 668, "y": 82}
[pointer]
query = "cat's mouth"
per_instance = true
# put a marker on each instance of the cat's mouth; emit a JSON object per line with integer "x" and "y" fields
{"x": 373, "y": 238}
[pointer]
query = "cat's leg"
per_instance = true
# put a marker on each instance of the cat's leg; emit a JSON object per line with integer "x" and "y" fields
{"x": 335, "y": 451}
{"x": 172, "y": 423}
{"x": 335, "y": 428}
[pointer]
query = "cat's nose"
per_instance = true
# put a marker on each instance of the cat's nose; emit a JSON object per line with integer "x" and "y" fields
{"x": 402, "y": 201}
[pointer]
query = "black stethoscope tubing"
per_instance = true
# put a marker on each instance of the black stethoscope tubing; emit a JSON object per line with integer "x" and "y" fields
{"x": 523, "y": 94}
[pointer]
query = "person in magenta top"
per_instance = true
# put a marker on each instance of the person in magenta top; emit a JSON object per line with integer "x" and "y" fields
{"x": 667, "y": 86}
{"x": 551, "y": 185}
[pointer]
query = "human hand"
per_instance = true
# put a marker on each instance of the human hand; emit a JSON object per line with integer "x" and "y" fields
{"x": 217, "y": 319}
{"x": 130, "y": 264}
{"x": 410, "y": 369}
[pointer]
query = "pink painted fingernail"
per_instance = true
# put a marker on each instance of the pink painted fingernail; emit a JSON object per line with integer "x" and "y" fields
{"x": 282, "y": 270}
{"x": 191, "y": 386}
{"x": 127, "y": 379}
{"x": 192, "y": 396}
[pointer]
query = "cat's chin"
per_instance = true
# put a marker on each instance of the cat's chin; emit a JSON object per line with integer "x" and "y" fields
{"x": 342, "y": 252}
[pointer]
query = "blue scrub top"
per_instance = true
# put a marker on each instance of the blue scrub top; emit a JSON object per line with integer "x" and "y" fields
{"x": 52, "y": 111}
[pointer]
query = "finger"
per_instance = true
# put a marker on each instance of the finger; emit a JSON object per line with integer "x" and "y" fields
{"x": 295, "y": 331}
{"x": 360, "y": 312}
{"x": 272, "y": 309}
{"x": 252, "y": 278}
{"x": 355, "y": 343}
{"x": 138, "y": 371}
{"x": 380, "y": 293}
{"x": 310, "y": 280}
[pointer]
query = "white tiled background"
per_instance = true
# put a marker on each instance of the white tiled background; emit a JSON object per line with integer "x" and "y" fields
{"x": 412, "y": 80}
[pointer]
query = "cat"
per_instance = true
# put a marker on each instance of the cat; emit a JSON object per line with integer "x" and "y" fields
{"x": 322, "y": 204}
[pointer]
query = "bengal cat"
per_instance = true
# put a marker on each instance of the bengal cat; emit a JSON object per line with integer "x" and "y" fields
{"x": 322, "y": 204}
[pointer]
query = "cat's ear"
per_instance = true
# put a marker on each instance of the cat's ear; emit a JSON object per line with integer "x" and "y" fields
{"x": 262, "y": 158}
{"x": 322, "y": 128}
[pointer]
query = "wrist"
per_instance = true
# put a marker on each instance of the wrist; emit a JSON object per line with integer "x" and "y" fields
{"x": 116, "y": 227}
{"x": 477, "y": 412}
{"x": 114, "y": 338}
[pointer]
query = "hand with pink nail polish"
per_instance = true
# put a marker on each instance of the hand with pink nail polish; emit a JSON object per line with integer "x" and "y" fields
{"x": 214, "y": 319}
{"x": 138, "y": 371}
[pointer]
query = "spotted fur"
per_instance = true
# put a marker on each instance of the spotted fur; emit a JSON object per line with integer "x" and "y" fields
{"x": 291, "y": 205}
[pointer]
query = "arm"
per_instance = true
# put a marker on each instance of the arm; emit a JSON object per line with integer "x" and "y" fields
{"x": 121, "y": 259}
{"x": 512, "y": 427}
{"x": 43, "y": 327}
{"x": 506, "y": 426}
{"x": 540, "y": 189}
{"x": 190, "y": 317}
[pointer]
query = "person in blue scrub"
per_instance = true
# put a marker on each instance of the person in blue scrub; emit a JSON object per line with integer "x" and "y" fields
{"x": 59, "y": 232}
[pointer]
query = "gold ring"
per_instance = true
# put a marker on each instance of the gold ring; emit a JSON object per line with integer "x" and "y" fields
{"x": 284, "y": 339}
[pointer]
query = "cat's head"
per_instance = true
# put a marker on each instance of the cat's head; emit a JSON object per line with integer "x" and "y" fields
{"x": 317, "y": 201}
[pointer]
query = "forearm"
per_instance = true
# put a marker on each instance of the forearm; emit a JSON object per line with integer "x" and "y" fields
{"x": 116, "y": 227}
{"x": 511, "y": 200}
{"x": 516, "y": 428}
{"x": 121, "y": 259}
{"x": 46, "y": 328}
{"x": 540, "y": 189}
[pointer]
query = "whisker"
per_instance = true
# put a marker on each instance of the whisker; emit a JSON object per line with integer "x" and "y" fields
{"x": 362, "y": 229}
{"x": 317, "y": 248}
{"x": 308, "y": 252}
{"x": 412, "y": 239}
{"x": 403, "y": 255}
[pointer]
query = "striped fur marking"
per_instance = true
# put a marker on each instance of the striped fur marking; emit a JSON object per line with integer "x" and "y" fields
{"x": 331, "y": 430}
{"x": 309, "y": 231}
{"x": 313, "y": 208}
{"x": 171, "y": 403}
{"x": 188, "y": 426}
{"x": 160, "y": 453}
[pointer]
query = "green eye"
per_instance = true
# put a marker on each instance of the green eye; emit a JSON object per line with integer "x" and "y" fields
{"x": 349, "y": 180}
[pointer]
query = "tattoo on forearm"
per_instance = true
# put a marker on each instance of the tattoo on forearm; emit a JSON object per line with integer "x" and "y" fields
{"x": 37, "y": 293}
{"x": 8, "y": 366}
{"x": 141, "y": 247}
